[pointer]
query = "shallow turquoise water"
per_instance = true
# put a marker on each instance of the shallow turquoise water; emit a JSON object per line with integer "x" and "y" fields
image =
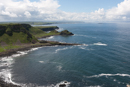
{"x": 102, "y": 61}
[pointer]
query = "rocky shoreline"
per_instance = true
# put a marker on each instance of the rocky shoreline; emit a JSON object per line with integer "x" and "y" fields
{"x": 4, "y": 84}
{"x": 42, "y": 43}
{"x": 14, "y": 51}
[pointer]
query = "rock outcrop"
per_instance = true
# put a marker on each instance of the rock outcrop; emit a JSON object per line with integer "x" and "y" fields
{"x": 66, "y": 32}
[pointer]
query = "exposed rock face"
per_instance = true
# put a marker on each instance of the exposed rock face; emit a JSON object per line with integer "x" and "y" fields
{"x": 66, "y": 32}
{"x": 2, "y": 30}
{"x": 62, "y": 85}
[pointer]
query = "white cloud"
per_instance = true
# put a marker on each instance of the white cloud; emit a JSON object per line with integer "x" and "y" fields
{"x": 8, "y": 14}
{"x": 48, "y": 10}
{"x": 122, "y": 11}
{"x": 27, "y": 14}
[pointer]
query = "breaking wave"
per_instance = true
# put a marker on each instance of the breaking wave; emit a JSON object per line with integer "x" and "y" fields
{"x": 6, "y": 63}
{"x": 83, "y": 36}
{"x": 101, "y": 75}
{"x": 63, "y": 49}
{"x": 51, "y": 37}
{"x": 99, "y": 43}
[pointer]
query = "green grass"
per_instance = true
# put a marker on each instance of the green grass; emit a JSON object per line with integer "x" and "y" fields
{"x": 40, "y": 33}
{"x": 40, "y": 27}
{"x": 5, "y": 48}
{"x": 22, "y": 37}
{"x": 36, "y": 32}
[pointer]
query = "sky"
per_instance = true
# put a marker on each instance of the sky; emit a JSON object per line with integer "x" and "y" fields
{"x": 65, "y": 10}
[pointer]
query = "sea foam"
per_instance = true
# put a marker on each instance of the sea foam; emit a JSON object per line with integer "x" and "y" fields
{"x": 60, "y": 49}
{"x": 6, "y": 63}
{"x": 99, "y": 43}
{"x": 100, "y": 75}
{"x": 83, "y": 36}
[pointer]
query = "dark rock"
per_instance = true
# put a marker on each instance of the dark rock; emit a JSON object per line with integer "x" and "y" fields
{"x": 43, "y": 41}
{"x": 62, "y": 85}
{"x": 4, "y": 84}
{"x": 66, "y": 32}
{"x": 65, "y": 82}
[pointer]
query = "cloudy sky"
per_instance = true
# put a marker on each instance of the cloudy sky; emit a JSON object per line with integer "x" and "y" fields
{"x": 68, "y": 10}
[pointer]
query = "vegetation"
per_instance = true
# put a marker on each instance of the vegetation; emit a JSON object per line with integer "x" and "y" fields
{"x": 4, "y": 48}
{"x": 16, "y": 35}
{"x": 31, "y": 23}
{"x": 47, "y": 28}
{"x": 42, "y": 23}
{"x": 66, "y": 32}
{"x": 37, "y": 32}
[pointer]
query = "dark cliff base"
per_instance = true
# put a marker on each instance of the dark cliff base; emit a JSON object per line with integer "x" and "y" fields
{"x": 4, "y": 84}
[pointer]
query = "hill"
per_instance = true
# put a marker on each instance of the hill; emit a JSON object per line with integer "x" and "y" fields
{"x": 15, "y": 35}
{"x": 12, "y": 33}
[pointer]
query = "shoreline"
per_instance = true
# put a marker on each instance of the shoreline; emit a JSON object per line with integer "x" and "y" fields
{"x": 42, "y": 44}
{"x": 46, "y": 36}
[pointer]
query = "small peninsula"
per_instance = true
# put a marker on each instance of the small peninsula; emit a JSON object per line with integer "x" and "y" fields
{"x": 16, "y": 37}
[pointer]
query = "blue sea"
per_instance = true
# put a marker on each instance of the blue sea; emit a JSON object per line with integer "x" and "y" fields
{"x": 103, "y": 59}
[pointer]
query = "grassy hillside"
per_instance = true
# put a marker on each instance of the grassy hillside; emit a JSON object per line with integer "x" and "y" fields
{"x": 40, "y": 31}
{"x": 47, "y": 28}
{"x": 17, "y": 35}
{"x": 14, "y": 35}
{"x": 36, "y": 32}
{"x": 11, "y": 33}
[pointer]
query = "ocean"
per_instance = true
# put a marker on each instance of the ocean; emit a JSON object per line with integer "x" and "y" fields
{"x": 103, "y": 59}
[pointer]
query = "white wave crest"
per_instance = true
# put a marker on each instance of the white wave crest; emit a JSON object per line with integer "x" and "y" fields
{"x": 99, "y": 43}
{"x": 64, "y": 49}
{"x": 101, "y": 75}
{"x": 51, "y": 37}
{"x": 6, "y": 75}
{"x": 82, "y": 48}
{"x": 41, "y": 61}
{"x": 83, "y": 35}
{"x": 66, "y": 83}
{"x": 63, "y": 82}
{"x": 6, "y": 63}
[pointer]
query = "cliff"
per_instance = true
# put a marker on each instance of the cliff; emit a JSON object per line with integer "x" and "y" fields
{"x": 13, "y": 33}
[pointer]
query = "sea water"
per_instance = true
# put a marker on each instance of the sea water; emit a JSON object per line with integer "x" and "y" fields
{"x": 103, "y": 59}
